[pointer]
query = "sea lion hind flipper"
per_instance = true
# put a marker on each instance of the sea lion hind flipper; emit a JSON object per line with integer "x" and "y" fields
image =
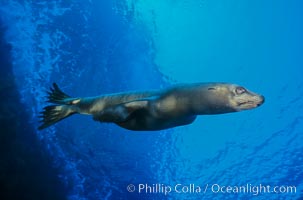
{"x": 121, "y": 112}
{"x": 55, "y": 113}
{"x": 57, "y": 96}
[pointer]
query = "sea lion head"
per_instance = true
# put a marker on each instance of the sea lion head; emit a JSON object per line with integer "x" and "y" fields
{"x": 241, "y": 98}
{"x": 232, "y": 98}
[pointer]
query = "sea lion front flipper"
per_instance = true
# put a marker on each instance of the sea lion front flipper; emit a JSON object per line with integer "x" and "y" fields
{"x": 121, "y": 112}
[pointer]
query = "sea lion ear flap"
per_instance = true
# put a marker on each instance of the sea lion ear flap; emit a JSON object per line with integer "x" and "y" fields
{"x": 121, "y": 112}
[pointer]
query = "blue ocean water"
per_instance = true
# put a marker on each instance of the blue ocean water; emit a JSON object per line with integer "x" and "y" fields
{"x": 97, "y": 47}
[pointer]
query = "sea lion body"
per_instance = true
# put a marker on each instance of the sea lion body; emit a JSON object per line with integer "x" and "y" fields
{"x": 154, "y": 110}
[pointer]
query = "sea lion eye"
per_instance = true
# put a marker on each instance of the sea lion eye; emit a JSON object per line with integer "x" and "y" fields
{"x": 240, "y": 90}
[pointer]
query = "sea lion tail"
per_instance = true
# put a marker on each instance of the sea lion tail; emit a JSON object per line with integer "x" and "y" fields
{"x": 55, "y": 113}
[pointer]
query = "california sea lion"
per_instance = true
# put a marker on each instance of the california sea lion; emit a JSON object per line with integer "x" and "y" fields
{"x": 153, "y": 110}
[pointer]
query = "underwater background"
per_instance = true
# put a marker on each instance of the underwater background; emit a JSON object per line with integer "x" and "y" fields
{"x": 96, "y": 47}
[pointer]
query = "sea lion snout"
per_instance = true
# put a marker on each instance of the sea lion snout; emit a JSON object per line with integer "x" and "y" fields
{"x": 262, "y": 100}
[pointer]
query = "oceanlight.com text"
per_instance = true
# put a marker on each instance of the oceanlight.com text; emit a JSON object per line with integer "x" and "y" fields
{"x": 253, "y": 189}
